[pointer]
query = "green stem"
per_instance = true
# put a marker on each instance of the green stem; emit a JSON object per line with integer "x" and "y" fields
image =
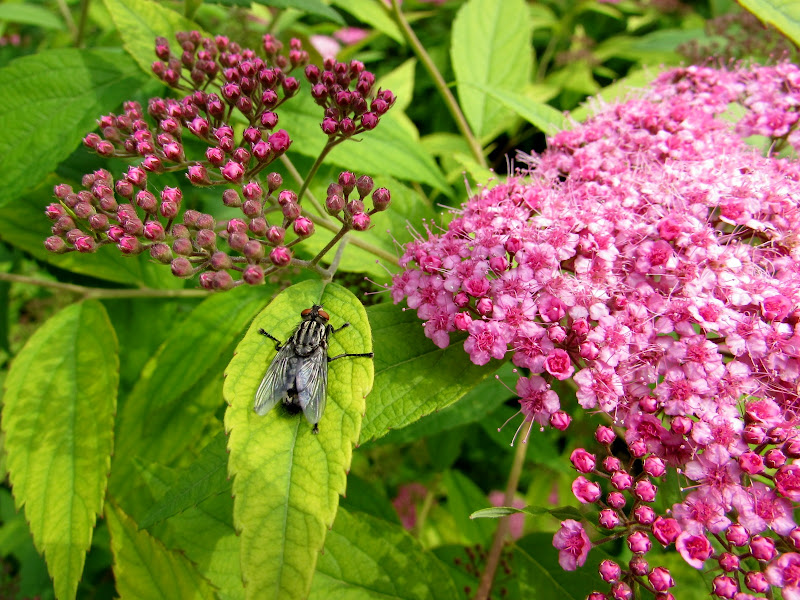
{"x": 333, "y": 226}
{"x": 440, "y": 83}
{"x": 500, "y": 534}
{"x": 89, "y": 292}
{"x": 82, "y": 23}
{"x": 314, "y": 168}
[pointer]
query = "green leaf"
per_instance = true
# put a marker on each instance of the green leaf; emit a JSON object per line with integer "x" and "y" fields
{"x": 144, "y": 568}
{"x": 58, "y": 419}
{"x": 50, "y": 100}
{"x": 477, "y": 404}
{"x": 495, "y": 512}
{"x": 30, "y": 14}
{"x": 205, "y": 477}
{"x": 23, "y": 224}
{"x": 367, "y": 558}
{"x": 407, "y": 362}
{"x": 464, "y": 498}
{"x": 288, "y": 480}
{"x": 491, "y": 48}
{"x": 540, "y": 115}
{"x": 312, "y": 7}
{"x": 180, "y": 385}
{"x": 364, "y": 496}
{"x": 387, "y": 150}
{"x": 204, "y": 533}
{"x": 139, "y": 22}
{"x": 781, "y": 14}
{"x": 368, "y": 11}
{"x": 401, "y": 81}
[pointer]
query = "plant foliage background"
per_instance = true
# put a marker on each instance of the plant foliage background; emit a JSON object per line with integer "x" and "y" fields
{"x": 132, "y": 462}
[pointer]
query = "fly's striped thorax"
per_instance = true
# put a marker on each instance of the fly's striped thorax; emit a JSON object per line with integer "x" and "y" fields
{"x": 308, "y": 337}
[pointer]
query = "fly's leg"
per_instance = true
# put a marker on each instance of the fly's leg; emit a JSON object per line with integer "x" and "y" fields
{"x": 315, "y": 429}
{"x": 331, "y": 331}
{"x": 364, "y": 355}
{"x": 278, "y": 344}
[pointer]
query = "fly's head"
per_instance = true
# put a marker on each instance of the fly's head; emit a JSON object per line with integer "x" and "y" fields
{"x": 316, "y": 314}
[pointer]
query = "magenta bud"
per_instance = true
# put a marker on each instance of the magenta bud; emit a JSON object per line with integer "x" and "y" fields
{"x": 274, "y": 181}
{"x": 220, "y": 261}
{"x": 354, "y": 207}
{"x": 348, "y": 181}
{"x": 206, "y": 238}
{"x": 115, "y": 233}
{"x": 241, "y": 156}
{"x": 108, "y": 204}
{"x": 275, "y": 235}
{"x": 280, "y": 141}
{"x": 216, "y": 156}
{"x": 98, "y": 222}
{"x": 253, "y": 191}
{"x": 236, "y": 226}
{"x": 252, "y": 208}
{"x": 205, "y": 221}
{"x": 207, "y": 280}
{"x": 381, "y": 198}
{"x": 253, "y": 250}
{"x": 262, "y": 151}
{"x": 129, "y": 245}
{"x": 253, "y": 275}
{"x": 83, "y": 210}
{"x": 364, "y": 185}
{"x": 369, "y": 121}
{"x": 146, "y": 201}
{"x": 181, "y": 267}
{"x": 231, "y": 198}
{"x": 269, "y": 120}
{"x": 161, "y": 253}
{"x": 236, "y": 241}
{"x": 154, "y": 231}
{"x": 56, "y": 244}
{"x": 737, "y": 535}
{"x": 291, "y": 211}
{"x": 85, "y": 244}
{"x": 604, "y": 435}
{"x": 280, "y": 256}
{"x": 233, "y": 172}
{"x": 329, "y": 126}
{"x": 258, "y": 226}
{"x": 303, "y": 227}
{"x": 608, "y": 518}
{"x": 287, "y": 197}
{"x": 73, "y": 235}
{"x": 251, "y": 135}
{"x": 361, "y": 222}
{"x": 198, "y": 175}
{"x": 334, "y": 204}
{"x": 54, "y": 211}
{"x": 133, "y": 226}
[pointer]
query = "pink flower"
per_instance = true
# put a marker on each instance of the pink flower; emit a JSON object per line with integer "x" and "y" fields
{"x": 573, "y": 545}
{"x": 559, "y": 364}
{"x": 787, "y": 482}
{"x": 695, "y": 549}
{"x": 784, "y": 573}
{"x": 486, "y": 340}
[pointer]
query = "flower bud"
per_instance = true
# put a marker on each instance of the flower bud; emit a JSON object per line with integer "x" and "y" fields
{"x": 361, "y": 222}
{"x": 161, "y": 253}
{"x": 280, "y": 256}
{"x": 85, "y": 244}
{"x": 253, "y": 275}
{"x": 275, "y": 235}
{"x": 253, "y": 250}
{"x": 98, "y": 222}
{"x": 154, "y": 231}
{"x": 56, "y": 244}
{"x": 206, "y": 238}
{"x": 381, "y": 198}
{"x": 583, "y": 461}
{"x": 608, "y": 518}
{"x": 220, "y": 261}
{"x": 129, "y": 245}
{"x": 604, "y": 435}
{"x": 274, "y": 181}
{"x": 302, "y": 226}
{"x": 334, "y": 204}
{"x": 258, "y": 226}
{"x": 231, "y": 198}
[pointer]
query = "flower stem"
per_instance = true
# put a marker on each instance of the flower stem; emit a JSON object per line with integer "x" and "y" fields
{"x": 500, "y": 534}
{"x": 89, "y": 292}
{"x": 440, "y": 83}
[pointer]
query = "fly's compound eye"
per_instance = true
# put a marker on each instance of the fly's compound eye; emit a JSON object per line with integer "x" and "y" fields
{"x": 306, "y": 312}
{"x": 324, "y": 315}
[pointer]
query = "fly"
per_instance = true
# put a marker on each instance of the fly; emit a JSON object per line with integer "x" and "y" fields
{"x": 298, "y": 375}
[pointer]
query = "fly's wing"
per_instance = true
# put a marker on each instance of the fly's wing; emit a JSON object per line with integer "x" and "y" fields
{"x": 312, "y": 384}
{"x": 277, "y": 380}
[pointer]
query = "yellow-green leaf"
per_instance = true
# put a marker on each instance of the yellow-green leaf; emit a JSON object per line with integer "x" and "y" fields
{"x": 58, "y": 418}
{"x": 781, "y": 14}
{"x": 287, "y": 481}
{"x": 144, "y": 568}
{"x": 140, "y": 21}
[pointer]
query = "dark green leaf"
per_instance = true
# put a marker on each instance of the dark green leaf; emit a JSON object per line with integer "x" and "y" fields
{"x": 413, "y": 377}
{"x": 205, "y": 477}
{"x": 463, "y": 499}
{"x": 367, "y": 558}
{"x": 50, "y": 101}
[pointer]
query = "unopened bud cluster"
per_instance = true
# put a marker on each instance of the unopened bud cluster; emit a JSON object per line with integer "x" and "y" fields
{"x": 348, "y": 111}
{"x": 342, "y": 204}
{"x": 219, "y": 78}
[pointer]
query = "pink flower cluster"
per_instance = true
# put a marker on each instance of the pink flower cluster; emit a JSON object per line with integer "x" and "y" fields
{"x": 652, "y": 257}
